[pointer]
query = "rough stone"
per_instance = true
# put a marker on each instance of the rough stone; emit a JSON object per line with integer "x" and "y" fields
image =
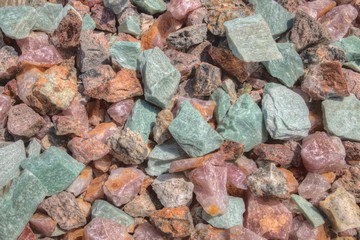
{"x": 207, "y": 79}
{"x": 130, "y": 25}
{"x": 25, "y": 81}
{"x": 187, "y": 37}
{"x": 185, "y": 63}
{"x": 204, "y": 231}
{"x": 250, "y": 39}
{"x": 95, "y": 189}
{"x": 94, "y": 79}
{"x": 322, "y": 53}
{"x": 87, "y": 150}
{"x": 80, "y": 184}
{"x": 223, "y": 103}
{"x": 147, "y": 206}
{"x": 147, "y": 231}
{"x": 101, "y": 228}
{"x": 49, "y": 16}
{"x": 117, "y": 6}
{"x": 206, "y": 108}
{"x": 103, "y": 209}
{"x": 309, "y": 211}
{"x": 349, "y": 182}
{"x": 9, "y": 62}
{"x": 353, "y": 81}
{"x": 350, "y": 45}
{"x": 34, "y": 148}
{"x": 160, "y": 130}
{"x": 197, "y": 16}
{"x": 104, "y": 18}
{"x": 352, "y": 150}
{"x": 302, "y": 230}
{"x": 150, "y": 6}
{"x": 239, "y": 232}
{"x": 120, "y": 111}
{"x": 125, "y": 53}
{"x": 87, "y": 23}
{"x": 291, "y": 182}
{"x": 314, "y": 186}
{"x": 180, "y": 10}
{"x": 277, "y": 153}
{"x": 27, "y": 234}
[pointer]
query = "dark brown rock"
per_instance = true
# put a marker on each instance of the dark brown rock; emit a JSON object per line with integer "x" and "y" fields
{"x": 352, "y": 152}
{"x": 184, "y": 63}
{"x": 104, "y": 18}
{"x": 277, "y": 153}
{"x": 9, "y": 62}
{"x": 322, "y": 53}
{"x": 87, "y": 150}
{"x": 207, "y": 80}
{"x": 95, "y": 77}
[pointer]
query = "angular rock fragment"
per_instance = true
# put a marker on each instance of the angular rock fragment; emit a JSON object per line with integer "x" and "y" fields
{"x": 187, "y": 37}
{"x": 205, "y": 231}
{"x": 49, "y": 16}
{"x": 103, "y": 209}
{"x": 314, "y": 186}
{"x": 102, "y": 132}
{"x": 181, "y": 9}
{"x": 352, "y": 150}
{"x": 349, "y": 45}
{"x": 150, "y": 6}
{"x": 223, "y": 103}
{"x": 207, "y": 79}
{"x": 160, "y": 130}
{"x": 302, "y": 230}
{"x": 353, "y": 81}
{"x": 101, "y": 228}
{"x": 276, "y": 153}
{"x": 120, "y": 111}
{"x": 87, "y": 150}
{"x": 147, "y": 206}
{"x": 34, "y": 148}
{"x": 185, "y": 63}
{"x": 95, "y": 78}
{"x": 322, "y": 53}
{"x": 309, "y": 211}
{"x": 317, "y": 8}
{"x": 87, "y": 23}
{"x": 197, "y": 16}
{"x": 206, "y": 108}
{"x": 95, "y": 189}
{"x": 240, "y": 232}
{"x": 125, "y": 53}
{"x": 117, "y": 6}
{"x": 292, "y": 183}
{"x": 147, "y": 231}
{"x": 80, "y": 184}
{"x": 9, "y": 62}
{"x": 349, "y": 181}
{"x": 104, "y": 18}
{"x": 130, "y": 25}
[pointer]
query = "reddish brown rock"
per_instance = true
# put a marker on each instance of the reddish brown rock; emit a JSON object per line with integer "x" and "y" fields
{"x": 147, "y": 206}
{"x": 95, "y": 190}
{"x": 147, "y": 231}
{"x": 350, "y": 181}
{"x": 177, "y": 222}
{"x": 102, "y": 132}
{"x": 96, "y": 111}
{"x": 207, "y": 232}
{"x": 104, "y": 163}
{"x": 160, "y": 130}
{"x": 5, "y": 105}
{"x": 104, "y": 18}
{"x": 87, "y": 150}
{"x": 9, "y": 62}
{"x": 206, "y": 108}
{"x": 231, "y": 150}
{"x": 120, "y": 111}
{"x": 322, "y": 53}
{"x": 353, "y": 81}
{"x": 325, "y": 80}
{"x": 352, "y": 150}
{"x": 291, "y": 5}
{"x": 43, "y": 224}
{"x": 101, "y": 229}
{"x": 27, "y": 234}
{"x": 277, "y": 153}
{"x": 291, "y": 182}
{"x": 25, "y": 82}
{"x": 23, "y": 121}
{"x": 207, "y": 80}
{"x": 185, "y": 63}
{"x": 95, "y": 78}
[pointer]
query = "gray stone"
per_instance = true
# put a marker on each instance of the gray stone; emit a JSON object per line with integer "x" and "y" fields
{"x": 117, "y": 6}
{"x": 103, "y": 209}
{"x": 250, "y": 39}
{"x": 223, "y": 103}
{"x": 341, "y": 117}
{"x": 285, "y": 112}
{"x": 150, "y": 6}
{"x": 289, "y": 68}
{"x": 244, "y": 123}
{"x": 173, "y": 190}
{"x": 10, "y": 158}
{"x": 233, "y": 216}
{"x": 161, "y": 79}
{"x": 130, "y": 25}
{"x": 193, "y": 133}
{"x": 125, "y": 53}
{"x": 87, "y": 23}
{"x": 34, "y": 148}
{"x": 187, "y": 37}
{"x": 309, "y": 211}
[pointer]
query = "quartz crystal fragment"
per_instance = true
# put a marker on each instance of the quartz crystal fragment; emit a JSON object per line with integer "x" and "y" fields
{"x": 103, "y": 209}
{"x": 309, "y": 211}
{"x": 120, "y": 111}
{"x": 125, "y": 53}
{"x": 181, "y": 9}
{"x": 314, "y": 186}
{"x": 101, "y": 228}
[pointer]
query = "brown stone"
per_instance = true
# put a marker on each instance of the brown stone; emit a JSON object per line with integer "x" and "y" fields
{"x": 207, "y": 80}
{"x": 277, "y": 153}
{"x": 353, "y": 81}
{"x": 103, "y": 164}
{"x": 76, "y": 234}
{"x": 322, "y": 53}
{"x": 9, "y": 62}
{"x": 352, "y": 152}
{"x": 84, "y": 206}
{"x": 147, "y": 206}
{"x": 43, "y": 224}
{"x": 102, "y": 131}
{"x": 160, "y": 130}
{"x": 95, "y": 189}
{"x": 350, "y": 182}
{"x": 104, "y": 18}
{"x": 95, "y": 78}
{"x": 87, "y": 150}
{"x": 27, "y": 234}
{"x": 120, "y": 111}
{"x": 185, "y": 63}
{"x": 207, "y": 232}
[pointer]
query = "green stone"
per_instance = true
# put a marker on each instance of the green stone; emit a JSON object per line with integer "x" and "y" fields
{"x": 55, "y": 168}
{"x": 130, "y": 25}
{"x": 142, "y": 118}
{"x": 309, "y": 211}
{"x": 34, "y": 148}
{"x": 244, "y": 123}
{"x": 285, "y": 113}
{"x": 117, "y": 6}
{"x": 88, "y": 23}
{"x": 103, "y": 209}
{"x": 10, "y": 158}
{"x": 17, "y": 22}
{"x": 341, "y": 117}
{"x": 351, "y": 46}
{"x": 289, "y": 68}
{"x": 277, "y": 17}
{"x": 126, "y": 53}
{"x": 193, "y": 133}
{"x": 233, "y": 217}
{"x": 250, "y": 39}
{"x": 19, "y": 204}
{"x": 49, "y": 17}
{"x": 161, "y": 157}
{"x": 161, "y": 79}
{"x": 354, "y": 65}
{"x": 150, "y": 6}
{"x": 223, "y": 103}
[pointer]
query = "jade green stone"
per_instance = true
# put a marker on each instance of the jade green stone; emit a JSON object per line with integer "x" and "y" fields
{"x": 17, "y": 22}
{"x": 150, "y": 6}
{"x": 233, "y": 216}
{"x": 309, "y": 211}
{"x": 34, "y": 148}
{"x": 19, "y": 204}
{"x": 103, "y": 209}
{"x": 10, "y": 158}
{"x": 193, "y": 133}
{"x": 277, "y": 17}
{"x": 49, "y": 17}
{"x": 289, "y": 68}
{"x": 351, "y": 46}
{"x": 117, "y": 6}
{"x": 244, "y": 123}
{"x": 55, "y": 168}
{"x": 130, "y": 25}
{"x": 354, "y": 65}
{"x": 250, "y": 39}
{"x": 161, "y": 157}
{"x": 161, "y": 79}
{"x": 142, "y": 118}
{"x": 223, "y": 103}
{"x": 125, "y": 53}
{"x": 88, "y": 23}
{"x": 285, "y": 113}
{"x": 341, "y": 117}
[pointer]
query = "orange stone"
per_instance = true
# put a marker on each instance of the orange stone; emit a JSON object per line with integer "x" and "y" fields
{"x": 102, "y": 131}
{"x": 103, "y": 164}
{"x": 96, "y": 111}
{"x": 292, "y": 183}
{"x": 84, "y": 206}
{"x": 329, "y": 176}
{"x": 77, "y": 234}
{"x": 95, "y": 189}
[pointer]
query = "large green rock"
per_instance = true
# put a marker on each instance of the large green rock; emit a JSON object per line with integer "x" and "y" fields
{"x": 193, "y": 133}
{"x": 233, "y": 216}
{"x": 142, "y": 118}
{"x": 126, "y": 53}
{"x": 49, "y": 16}
{"x": 10, "y": 158}
{"x": 277, "y": 17}
{"x": 161, "y": 79}
{"x": 87, "y": 23}
{"x": 130, "y": 25}
{"x": 285, "y": 113}
{"x": 223, "y": 103}
{"x": 341, "y": 117}
{"x": 103, "y": 209}
{"x": 161, "y": 157}
{"x": 250, "y": 39}
{"x": 309, "y": 211}
{"x": 351, "y": 46}
{"x": 19, "y": 204}
{"x": 150, "y": 6}
{"x": 54, "y": 168}
{"x": 117, "y": 6}
{"x": 244, "y": 123}
{"x": 289, "y": 68}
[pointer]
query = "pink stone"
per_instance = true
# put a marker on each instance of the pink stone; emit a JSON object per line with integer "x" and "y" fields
{"x": 210, "y": 187}
{"x": 5, "y": 105}
{"x": 120, "y": 111}
{"x": 207, "y": 232}
{"x": 102, "y": 131}
{"x": 338, "y": 20}
{"x": 314, "y": 186}
{"x": 80, "y": 184}
{"x": 302, "y": 230}
{"x": 37, "y": 50}
{"x": 43, "y": 224}
{"x": 246, "y": 165}
{"x": 27, "y": 234}
{"x": 353, "y": 81}
{"x": 240, "y": 232}
{"x": 123, "y": 185}
{"x": 180, "y": 9}
{"x": 105, "y": 229}
{"x": 268, "y": 217}
{"x": 87, "y": 150}
{"x": 197, "y": 16}
{"x": 147, "y": 231}
{"x": 235, "y": 177}
{"x": 317, "y": 8}
{"x": 322, "y": 153}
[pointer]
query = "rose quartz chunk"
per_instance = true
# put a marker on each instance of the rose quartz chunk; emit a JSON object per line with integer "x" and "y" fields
{"x": 302, "y": 230}
{"x": 105, "y": 229}
{"x": 235, "y": 177}
{"x": 147, "y": 231}
{"x": 322, "y": 153}
{"x": 314, "y": 186}
{"x": 317, "y": 8}
{"x": 246, "y": 165}
{"x": 268, "y": 218}
{"x": 80, "y": 184}
{"x": 5, "y": 105}
{"x": 123, "y": 185}
{"x": 338, "y": 20}
{"x": 210, "y": 187}
{"x": 239, "y": 232}
{"x": 180, "y": 9}
{"x": 37, "y": 50}
{"x": 120, "y": 111}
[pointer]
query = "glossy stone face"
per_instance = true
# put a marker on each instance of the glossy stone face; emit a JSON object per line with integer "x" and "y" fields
{"x": 101, "y": 228}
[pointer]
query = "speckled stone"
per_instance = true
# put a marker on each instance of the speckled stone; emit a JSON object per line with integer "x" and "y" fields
{"x": 193, "y": 133}
{"x": 117, "y": 6}
{"x": 34, "y": 148}
{"x": 49, "y": 16}
{"x": 351, "y": 46}
{"x": 309, "y": 211}
{"x": 150, "y": 6}
{"x": 130, "y": 25}
{"x": 103, "y": 209}
{"x": 101, "y": 229}
{"x": 87, "y": 23}
{"x": 125, "y": 53}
